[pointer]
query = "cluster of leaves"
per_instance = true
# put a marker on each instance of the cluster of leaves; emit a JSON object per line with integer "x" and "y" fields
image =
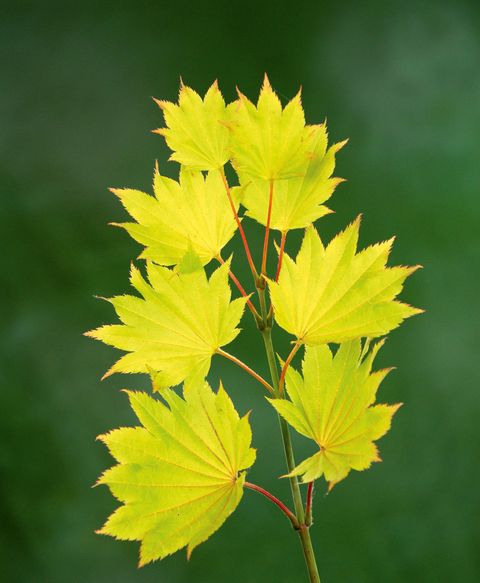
{"x": 182, "y": 473}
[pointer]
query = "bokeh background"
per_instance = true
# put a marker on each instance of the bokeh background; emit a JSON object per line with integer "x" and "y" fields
{"x": 401, "y": 79}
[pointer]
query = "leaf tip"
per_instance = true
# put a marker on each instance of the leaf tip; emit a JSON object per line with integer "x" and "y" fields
{"x": 109, "y": 373}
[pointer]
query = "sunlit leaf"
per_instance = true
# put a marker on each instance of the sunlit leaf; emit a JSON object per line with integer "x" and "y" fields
{"x": 334, "y": 294}
{"x": 196, "y": 130}
{"x": 180, "y": 475}
{"x": 333, "y": 404}
{"x": 297, "y": 201}
{"x": 192, "y": 213}
{"x": 269, "y": 142}
{"x": 180, "y": 322}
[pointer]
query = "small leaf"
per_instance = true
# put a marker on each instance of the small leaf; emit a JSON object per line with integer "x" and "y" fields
{"x": 181, "y": 474}
{"x": 297, "y": 201}
{"x": 269, "y": 142}
{"x": 179, "y": 324}
{"x": 192, "y": 213}
{"x": 334, "y": 294}
{"x": 196, "y": 130}
{"x": 333, "y": 405}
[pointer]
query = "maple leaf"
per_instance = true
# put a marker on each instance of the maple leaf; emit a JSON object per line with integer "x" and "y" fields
{"x": 334, "y": 294}
{"x": 181, "y": 321}
{"x": 333, "y": 405}
{"x": 267, "y": 141}
{"x": 181, "y": 474}
{"x": 192, "y": 213}
{"x": 297, "y": 201}
{"x": 196, "y": 130}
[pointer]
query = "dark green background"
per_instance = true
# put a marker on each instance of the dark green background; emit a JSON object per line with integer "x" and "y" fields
{"x": 402, "y": 81}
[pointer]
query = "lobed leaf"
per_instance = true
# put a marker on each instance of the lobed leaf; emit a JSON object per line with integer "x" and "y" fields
{"x": 180, "y": 322}
{"x": 192, "y": 213}
{"x": 334, "y": 294}
{"x": 333, "y": 404}
{"x": 298, "y": 200}
{"x": 180, "y": 475}
{"x": 196, "y": 130}
{"x": 269, "y": 142}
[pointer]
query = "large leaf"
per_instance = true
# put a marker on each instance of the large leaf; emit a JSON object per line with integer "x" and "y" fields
{"x": 334, "y": 294}
{"x": 181, "y": 474}
{"x": 297, "y": 201}
{"x": 333, "y": 405}
{"x": 267, "y": 141}
{"x": 192, "y": 213}
{"x": 196, "y": 130}
{"x": 180, "y": 322}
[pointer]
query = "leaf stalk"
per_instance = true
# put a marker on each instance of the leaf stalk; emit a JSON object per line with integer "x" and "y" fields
{"x": 267, "y": 229}
{"x": 281, "y": 384}
{"x": 241, "y": 289}
{"x": 239, "y": 225}
{"x": 288, "y": 513}
{"x": 246, "y": 368}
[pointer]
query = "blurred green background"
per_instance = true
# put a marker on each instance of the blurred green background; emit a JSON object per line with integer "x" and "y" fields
{"x": 402, "y": 80}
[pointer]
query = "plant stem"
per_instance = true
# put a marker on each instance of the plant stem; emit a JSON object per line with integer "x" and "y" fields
{"x": 308, "y": 505}
{"x": 309, "y": 555}
{"x": 303, "y": 531}
{"x": 288, "y": 513}
{"x": 246, "y": 368}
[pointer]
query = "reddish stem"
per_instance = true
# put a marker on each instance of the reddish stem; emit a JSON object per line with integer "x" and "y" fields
{"x": 246, "y": 368}
{"x": 288, "y": 513}
{"x": 240, "y": 289}
{"x": 280, "y": 254}
{"x": 267, "y": 230}
{"x": 308, "y": 505}
{"x": 239, "y": 225}
{"x": 293, "y": 352}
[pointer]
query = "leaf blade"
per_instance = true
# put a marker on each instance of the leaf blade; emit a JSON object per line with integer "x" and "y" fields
{"x": 333, "y": 406}
{"x": 175, "y": 491}
{"x": 334, "y": 294}
{"x": 176, "y": 327}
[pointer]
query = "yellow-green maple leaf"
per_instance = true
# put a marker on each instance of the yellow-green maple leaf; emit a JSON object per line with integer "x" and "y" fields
{"x": 196, "y": 130}
{"x": 334, "y": 294}
{"x": 192, "y": 213}
{"x": 269, "y": 142}
{"x": 297, "y": 201}
{"x": 181, "y": 474}
{"x": 181, "y": 321}
{"x": 333, "y": 405}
